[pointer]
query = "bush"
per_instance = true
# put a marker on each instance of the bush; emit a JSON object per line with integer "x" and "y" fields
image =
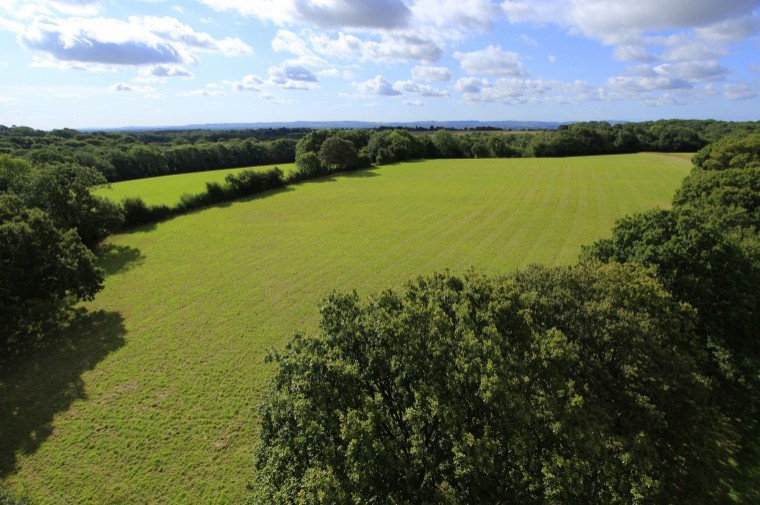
{"x": 308, "y": 166}
{"x": 250, "y": 182}
{"x": 137, "y": 212}
{"x": 566, "y": 385}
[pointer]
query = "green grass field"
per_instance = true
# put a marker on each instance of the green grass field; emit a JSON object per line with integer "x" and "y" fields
{"x": 150, "y": 398}
{"x": 167, "y": 189}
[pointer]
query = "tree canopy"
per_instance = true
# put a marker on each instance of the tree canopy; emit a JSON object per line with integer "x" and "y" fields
{"x": 568, "y": 385}
{"x": 40, "y": 267}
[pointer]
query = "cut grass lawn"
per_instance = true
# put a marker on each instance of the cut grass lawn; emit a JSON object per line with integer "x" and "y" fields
{"x": 152, "y": 400}
{"x": 167, "y": 189}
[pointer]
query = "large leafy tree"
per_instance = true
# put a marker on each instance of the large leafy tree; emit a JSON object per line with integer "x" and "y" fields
{"x": 41, "y": 267}
{"x": 566, "y": 385}
{"x": 338, "y": 153}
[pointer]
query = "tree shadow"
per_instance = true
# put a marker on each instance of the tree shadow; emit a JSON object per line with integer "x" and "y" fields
{"x": 47, "y": 380}
{"x": 258, "y": 196}
{"x": 119, "y": 258}
{"x": 367, "y": 172}
{"x": 336, "y": 176}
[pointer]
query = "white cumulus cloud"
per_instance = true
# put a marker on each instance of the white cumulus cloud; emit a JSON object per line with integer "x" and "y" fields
{"x": 471, "y": 85}
{"x": 739, "y": 91}
{"x": 431, "y": 74}
{"x": 205, "y": 92}
{"x": 135, "y": 42}
{"x": 377, "y": 86}
{"x": 648, "y": 30}
{"x": 467, "y": 14}
{"x": 419, "y": 89}
{"x": 491, "y": 61}
{"x": 392, "y": 47}
{"x": 163, "y": 71}
{"x": 329, "y": 14}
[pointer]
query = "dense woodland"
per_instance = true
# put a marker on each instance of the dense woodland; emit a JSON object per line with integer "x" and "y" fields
{"x": 631, "y": 377}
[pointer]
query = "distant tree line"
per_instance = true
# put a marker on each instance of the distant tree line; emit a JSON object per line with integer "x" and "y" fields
{"x": 122, "y": 156}
{"x": 631, "y": 377}
{"x": 385, "y": 145}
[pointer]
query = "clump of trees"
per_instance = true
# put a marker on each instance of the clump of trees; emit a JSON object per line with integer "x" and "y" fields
{"x": 631, "y": 377}
{"x": 706, "y": 250}
{"x": 741, "y": 152}
{"x": 322, "y": 152}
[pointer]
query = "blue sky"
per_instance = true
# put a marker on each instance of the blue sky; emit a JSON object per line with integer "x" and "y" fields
{"x": 108, "y": 63}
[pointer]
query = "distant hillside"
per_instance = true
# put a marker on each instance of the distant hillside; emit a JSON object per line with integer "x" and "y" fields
{"x": 460, "y": 125}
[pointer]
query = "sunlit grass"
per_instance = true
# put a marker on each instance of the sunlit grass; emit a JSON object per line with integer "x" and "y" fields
{"x": 166, "y": 414}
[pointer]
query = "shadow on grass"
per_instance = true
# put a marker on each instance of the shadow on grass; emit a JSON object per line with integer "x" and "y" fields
{"x": 47, "y": 380}
{"x": 258, "y": 196}
{"x": 367, "y": 172}
{"x": 119, "y": 258}
{"x": 336, "y": 176}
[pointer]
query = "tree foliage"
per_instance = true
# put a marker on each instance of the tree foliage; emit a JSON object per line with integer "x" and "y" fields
{"x": 714, "y": 271}
{"x": 64, "y": 192}
{"x": 339, "y": 154}
{"x": 740, "y": 152}
{"x": 567, "y": 385}
{"x": 308, "y": 165}
{"x": 40, "y": 268}
{"x": 706, "y": 251}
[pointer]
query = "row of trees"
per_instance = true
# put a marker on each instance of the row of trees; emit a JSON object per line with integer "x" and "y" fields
{"x": 148, "y": 161}
{"x": 631, "y": 377}
{"x": 121, "y": 156}
{"x": 363, "y": 147}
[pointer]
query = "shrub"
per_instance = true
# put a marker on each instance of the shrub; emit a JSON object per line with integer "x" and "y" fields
{"x": 308, "y": 166}
{"x": 250, "y": 182}
{"x": 137, "y": 212}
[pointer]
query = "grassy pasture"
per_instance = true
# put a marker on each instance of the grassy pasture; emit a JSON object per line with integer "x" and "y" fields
{"x": 150, "y": 397}
{"x": 167, "y": 189}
